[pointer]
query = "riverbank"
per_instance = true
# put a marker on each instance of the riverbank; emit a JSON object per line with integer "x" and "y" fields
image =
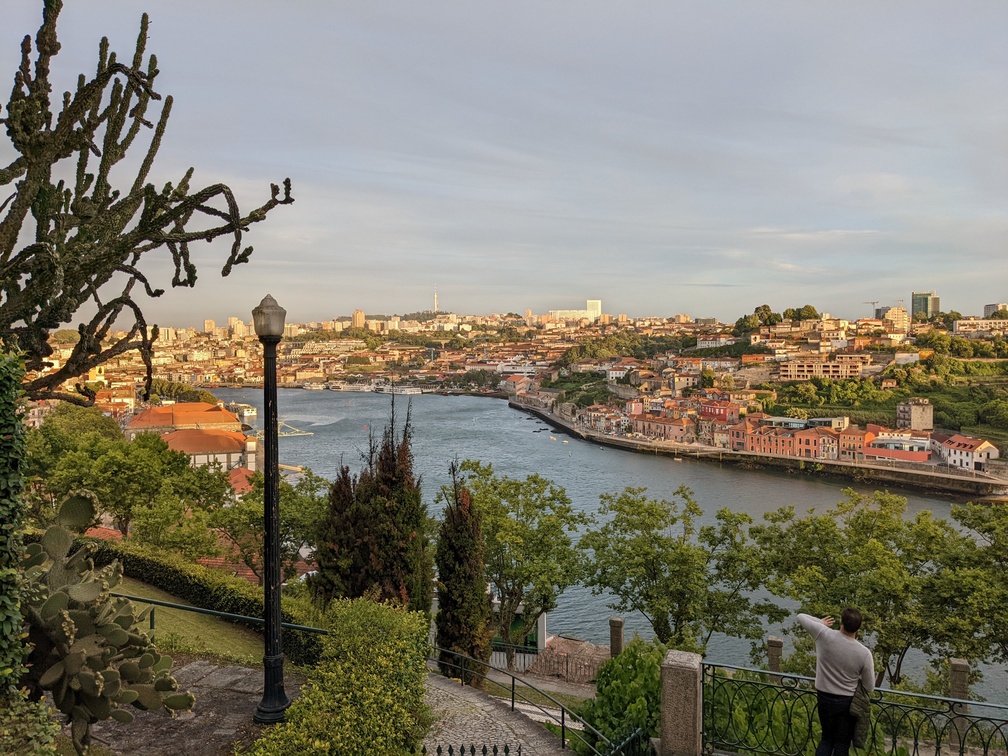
{"x": 967, "y": 485}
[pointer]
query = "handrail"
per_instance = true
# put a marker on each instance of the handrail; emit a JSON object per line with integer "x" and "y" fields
{"x": 879, "y": 692}
{"x": 762, "y": 711}
{"x": 565, "y": 713}
{"x": 216, "y": 613}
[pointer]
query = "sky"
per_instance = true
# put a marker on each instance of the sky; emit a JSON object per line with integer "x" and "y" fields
{"x": 665, "y": 157}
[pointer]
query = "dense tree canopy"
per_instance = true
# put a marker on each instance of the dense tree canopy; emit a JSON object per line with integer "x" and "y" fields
{"x": 866, "y": 552}
{"x": 530, "y": 553}
{"x": 81, "y": 218}
{"x": 302, "y": 505}
{"x": 374, "y": 537}
{"x": 689, "y": 580}
{"x": 463, "y": 616}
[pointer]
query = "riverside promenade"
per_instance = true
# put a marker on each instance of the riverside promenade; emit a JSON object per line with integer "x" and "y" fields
{"x": 967, "y": 484}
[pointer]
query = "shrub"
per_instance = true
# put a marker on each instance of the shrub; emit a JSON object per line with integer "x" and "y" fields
{"x": 628, "y": 693}
{"x": 26, "y": 727}
{"x": 366, "y": 695}
{"x": 12, "y": 467}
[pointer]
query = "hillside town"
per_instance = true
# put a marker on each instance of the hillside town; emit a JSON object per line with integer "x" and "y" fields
{"x": 707, "y": 392}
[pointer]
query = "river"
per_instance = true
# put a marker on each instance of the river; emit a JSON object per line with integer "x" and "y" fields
{"x": 517, "y": 445}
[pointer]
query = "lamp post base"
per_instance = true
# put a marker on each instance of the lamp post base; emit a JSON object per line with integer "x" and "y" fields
{"x": 273, "y": 706}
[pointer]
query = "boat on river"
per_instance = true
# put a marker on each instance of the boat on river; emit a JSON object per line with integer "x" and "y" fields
{"x": 344, "y": 386}
{"x": 242, "y": 411}
{"x": 392, "y": 389}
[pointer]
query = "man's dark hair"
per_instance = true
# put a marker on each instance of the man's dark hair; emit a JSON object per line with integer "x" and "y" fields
{"x": 850, "y": 618}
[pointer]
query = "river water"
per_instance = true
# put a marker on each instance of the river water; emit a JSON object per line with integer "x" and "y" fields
{"x": 517, "y": 445}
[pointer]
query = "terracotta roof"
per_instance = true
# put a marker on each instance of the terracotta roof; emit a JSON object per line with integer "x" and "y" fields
{"x": 104, "y": 534}
{"x": 205, "y": 440}
{"x": 184, "y": 413}
{"x": 964, "y": 443}
{"x": 241, "y": 479}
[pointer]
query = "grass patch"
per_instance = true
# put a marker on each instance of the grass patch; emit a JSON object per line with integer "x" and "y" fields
{"x": 189, "y": 632}
{"x": 530, "y": 695}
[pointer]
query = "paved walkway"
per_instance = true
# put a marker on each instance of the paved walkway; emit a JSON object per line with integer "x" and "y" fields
{"x": 466, "y": 716}
{"x": 227, "y": 696}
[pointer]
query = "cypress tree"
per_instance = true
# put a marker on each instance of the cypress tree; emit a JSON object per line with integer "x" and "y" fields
{"x": 374, "y": 540}
{"x": 463, "y": 618}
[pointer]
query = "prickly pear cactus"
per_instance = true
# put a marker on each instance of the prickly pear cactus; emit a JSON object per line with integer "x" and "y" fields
{"x": 88, "y": 648}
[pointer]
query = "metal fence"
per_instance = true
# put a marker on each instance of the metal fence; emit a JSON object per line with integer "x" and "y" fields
{"x": 523, "y": 656}
{"x": 470, "y": 750}
{"x": 754, "y": 711}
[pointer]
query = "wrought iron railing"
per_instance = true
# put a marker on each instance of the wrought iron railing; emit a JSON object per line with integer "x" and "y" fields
{"x": 470, "y": 750}
{"x": 750, "y": 711}
{"x": 571, "y": 726}
{"x": 213, "y": 613}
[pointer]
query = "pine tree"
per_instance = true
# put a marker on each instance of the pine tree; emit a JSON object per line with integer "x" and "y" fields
{"x": 463, "y": 618}
{"x": 375, "y": 538}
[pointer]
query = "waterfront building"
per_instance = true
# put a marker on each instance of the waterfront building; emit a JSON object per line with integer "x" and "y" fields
{"x": 229, "y": 449}
{"x": 184, "y": 415}
{"x": 964, "y": 451}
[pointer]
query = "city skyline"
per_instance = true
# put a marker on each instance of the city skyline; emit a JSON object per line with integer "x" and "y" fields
{"x": 690, "y": 159}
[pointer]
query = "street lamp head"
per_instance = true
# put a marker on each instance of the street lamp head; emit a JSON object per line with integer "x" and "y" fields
{"x": 268, "y": 318}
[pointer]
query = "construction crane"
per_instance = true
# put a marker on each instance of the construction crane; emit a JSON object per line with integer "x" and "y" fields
{"x": 874, "y": 304}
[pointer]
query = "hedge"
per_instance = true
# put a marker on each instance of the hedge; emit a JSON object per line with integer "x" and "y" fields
{"x": 27, "y": 727}
{"x": 12, "y": 467}
{"x": 366, "y": 695}
{"x": 211, "y": 589}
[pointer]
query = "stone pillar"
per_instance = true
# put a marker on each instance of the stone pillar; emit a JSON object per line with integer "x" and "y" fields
{"x": 959, "y": 686}
{"x": 681, "y": 704}
{"x": 615, "y": 636}
{"x": 774, "y": 650}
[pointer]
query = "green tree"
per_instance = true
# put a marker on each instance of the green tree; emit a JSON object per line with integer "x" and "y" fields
{"x": 129, "y": 475}
{"x": 530, "y": 553}
{"x": 302, "y": 509}
{"x": 180, "y": 517}
{"x": 375, "y": 538}
{"x": 83, "y": 238}
{"x": 171, "y": 524}
{"x": 463, "y": 617}
{"x": 863, "y": 552}
{"x": 63, "y": 431}
{"x": 977, "y": 592}
{"x": 746, "y": 325}
{"x": 688, "y": 580}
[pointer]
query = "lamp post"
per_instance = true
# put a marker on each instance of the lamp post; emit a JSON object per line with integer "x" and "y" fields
{"x": 268, "y": 318}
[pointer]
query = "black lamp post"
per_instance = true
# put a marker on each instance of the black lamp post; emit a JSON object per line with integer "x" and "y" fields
{"x": 268, "y": 318}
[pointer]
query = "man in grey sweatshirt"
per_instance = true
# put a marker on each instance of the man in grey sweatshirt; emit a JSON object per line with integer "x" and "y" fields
{"x": 840, "y": 662}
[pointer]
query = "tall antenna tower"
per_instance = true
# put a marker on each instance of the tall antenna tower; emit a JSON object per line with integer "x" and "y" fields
{"x": 435, "y": 298}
